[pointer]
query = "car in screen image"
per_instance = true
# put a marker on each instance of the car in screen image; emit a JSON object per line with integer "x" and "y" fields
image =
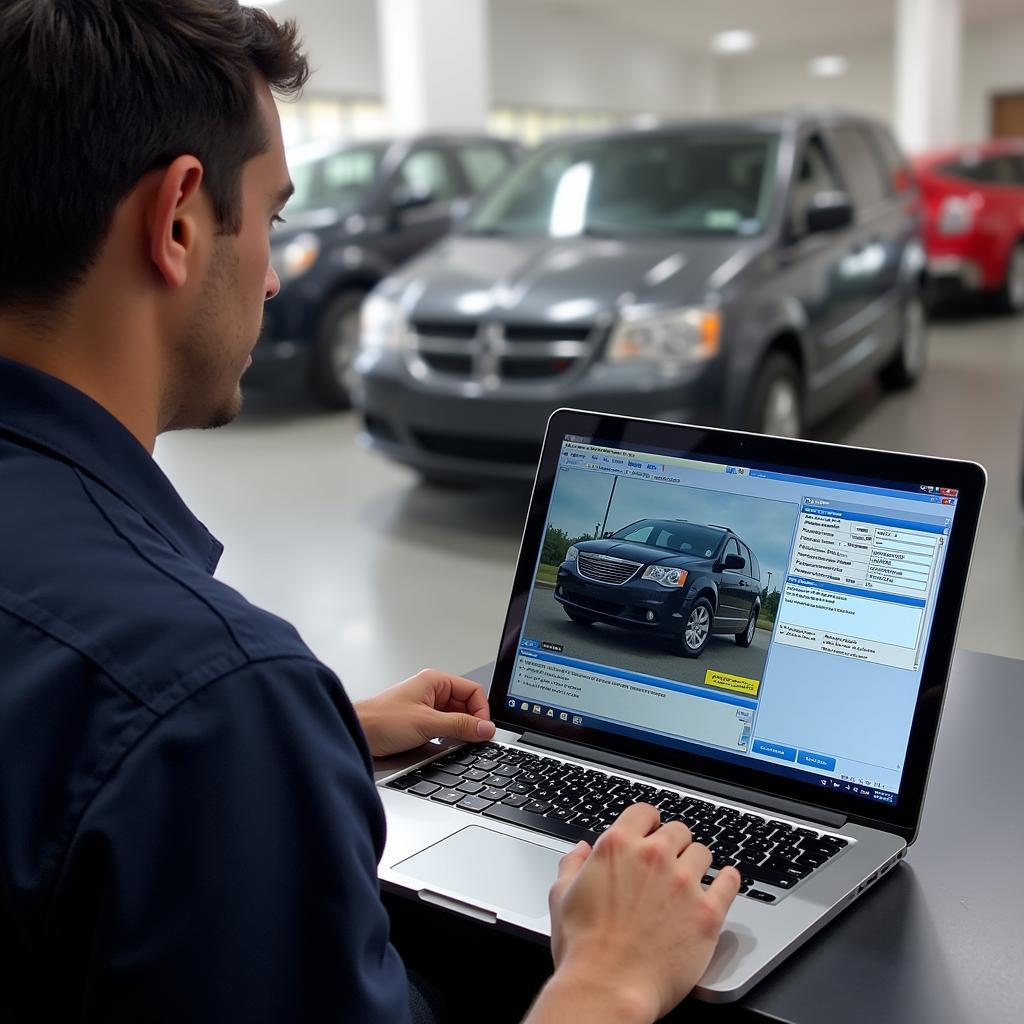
{"x": 688, "y": 581}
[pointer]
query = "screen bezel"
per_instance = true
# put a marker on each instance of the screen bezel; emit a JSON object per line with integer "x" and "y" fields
{"x": 813, "y": 458}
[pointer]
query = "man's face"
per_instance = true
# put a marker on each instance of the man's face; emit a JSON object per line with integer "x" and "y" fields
{"x": 214, "y": 348}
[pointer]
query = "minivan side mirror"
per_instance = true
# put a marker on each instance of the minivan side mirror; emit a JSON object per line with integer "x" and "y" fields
{"x": 405, "y": 197}
{"x": 606, "y": 534}
{"x": 736, "y": 562}
{"x": 828, "y": 211}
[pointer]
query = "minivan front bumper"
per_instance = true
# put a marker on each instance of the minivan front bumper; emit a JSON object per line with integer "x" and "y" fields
{"x": 451, "y": 429}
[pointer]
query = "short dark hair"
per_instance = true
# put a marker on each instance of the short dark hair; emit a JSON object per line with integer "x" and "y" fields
{"x": 96, "y": 93}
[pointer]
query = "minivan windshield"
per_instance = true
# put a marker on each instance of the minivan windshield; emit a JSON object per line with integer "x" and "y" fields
{"x": 675, "y": 535}
{"x": 696, "y": 182}
{"x": 338, "y": 180}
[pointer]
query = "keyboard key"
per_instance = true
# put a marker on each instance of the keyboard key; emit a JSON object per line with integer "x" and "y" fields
{"x": 495, "y": 780}
{"x": 423, "y": 788}
{"x": 568, "y": 830}
{"x": 486, "y": 764}
{"x": 538, "y": 807}
{"x": 760, "y": 894}
{"x": 519, "y": 787}
{"x": 402, "y": 782}
{"x": 474, "y": 775}
{"x": 508, "y": 770}
{"x": 440, "y": 777}
{"x": 515, "y": 800}
{"x": 452, "y": 768}
{"x": 759, "y": 874}
{"x": 474, "y": 803}
{"x": 493, "y": 793}
{"x": 448, "y": 796}
{"x": 472, "y": 788}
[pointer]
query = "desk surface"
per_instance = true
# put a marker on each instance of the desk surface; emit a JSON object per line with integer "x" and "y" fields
{"x": 941, "y": 938}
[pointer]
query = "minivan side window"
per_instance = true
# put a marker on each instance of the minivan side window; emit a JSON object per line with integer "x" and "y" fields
{"x": 732, "y": 548}
{"x": 751, "y": 562}
{"x": 814, "y": 175}
{"x": 427, "y": 170}
{"x": 899, "y": 177}
{"x": 861, "y": 169}
{"x": 483, "y": 163}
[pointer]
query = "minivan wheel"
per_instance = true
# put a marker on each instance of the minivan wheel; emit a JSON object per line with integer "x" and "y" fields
{"x": 579, "y": 619}
{"x": 776, "y": 405}
{"x": 746, "y": 638}
{"x": 907, "y": 366}
{"x": 697, "y": 630}
{"x": 334, "y": 349}
{"x": 1010, "y": 297}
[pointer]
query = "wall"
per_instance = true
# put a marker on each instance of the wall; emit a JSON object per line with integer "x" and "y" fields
{"x": 341, "y": 39}
{"x": 993, "y": 61}
{"x": 548, "y": 57}
{"x": 779, "y": 82}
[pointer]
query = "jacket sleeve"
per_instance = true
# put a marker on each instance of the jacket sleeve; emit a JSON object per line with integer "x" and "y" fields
{"x": 232, "y": 862}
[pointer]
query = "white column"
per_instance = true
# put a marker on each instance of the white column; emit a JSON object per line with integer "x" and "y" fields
{"x": 928, "y": 56}
{"x": 435, "y": 63}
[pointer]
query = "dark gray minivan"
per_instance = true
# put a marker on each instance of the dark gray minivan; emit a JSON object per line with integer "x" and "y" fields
{"x": 748, "y": 273}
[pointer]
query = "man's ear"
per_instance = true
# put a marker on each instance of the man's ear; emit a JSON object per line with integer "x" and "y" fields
{"x": 175, "y": 214}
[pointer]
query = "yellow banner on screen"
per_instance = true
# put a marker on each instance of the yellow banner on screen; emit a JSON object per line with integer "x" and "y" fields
{"x": 738, "y": 684}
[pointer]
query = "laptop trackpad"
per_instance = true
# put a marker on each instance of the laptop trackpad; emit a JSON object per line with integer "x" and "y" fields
{"x": 487, "y": 868}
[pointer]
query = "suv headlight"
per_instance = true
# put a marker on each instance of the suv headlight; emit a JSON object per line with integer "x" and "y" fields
{"x": 296, "y": 258}
{"x": 570, "y": 555}
{"x": 688, "y": 335}
{"x": 382, "y": 327}
{"x": 665, "y": 576}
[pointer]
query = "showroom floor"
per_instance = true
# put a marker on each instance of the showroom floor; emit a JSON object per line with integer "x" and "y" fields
{"x": 383, "y": 575}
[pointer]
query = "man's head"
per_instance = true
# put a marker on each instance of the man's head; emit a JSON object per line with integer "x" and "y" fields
{"x": 142, "y": 159}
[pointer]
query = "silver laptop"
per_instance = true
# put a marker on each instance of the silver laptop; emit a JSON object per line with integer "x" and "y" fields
{"x": 754, "y": 634}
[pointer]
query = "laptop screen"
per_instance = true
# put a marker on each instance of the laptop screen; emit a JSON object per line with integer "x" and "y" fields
{"x": 757, "y": 614}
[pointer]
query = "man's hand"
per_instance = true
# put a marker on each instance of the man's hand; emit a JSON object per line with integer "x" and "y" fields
{"x": 631, "y": 928}
{"x": 429, "y": 704}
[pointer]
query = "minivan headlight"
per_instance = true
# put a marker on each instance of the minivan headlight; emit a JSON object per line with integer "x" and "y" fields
{"x": 296, "y": 258}
{"x": 665, "y": 576}
{"x": 692, "y": 334}
{"x": 382, "y": 326}
{"x": 572, "y": 553}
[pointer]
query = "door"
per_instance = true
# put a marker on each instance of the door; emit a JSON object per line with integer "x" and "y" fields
{"x": 735, "y": 595}
{"x": 810, "y": 264}
{"x": 418, "y": 203}
{"x": 1008, "y": 116}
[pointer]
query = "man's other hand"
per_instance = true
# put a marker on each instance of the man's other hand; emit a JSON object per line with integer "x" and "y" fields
{"x": 632, "y": 930}
{"x": 428, "y": 705}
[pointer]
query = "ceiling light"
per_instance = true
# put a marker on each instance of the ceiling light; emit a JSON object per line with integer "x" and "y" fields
{"x": 829, "y": 67}
{"x": 735, "y": 41}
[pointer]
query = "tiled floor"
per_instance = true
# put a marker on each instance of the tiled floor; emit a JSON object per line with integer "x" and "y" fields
{"x": 383, "y": 575}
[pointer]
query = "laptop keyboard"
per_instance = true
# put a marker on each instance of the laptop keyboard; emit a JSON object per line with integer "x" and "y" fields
{"x": 572, "y": 802}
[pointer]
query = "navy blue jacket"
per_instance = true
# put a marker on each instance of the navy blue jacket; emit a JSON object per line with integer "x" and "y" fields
{"x": 188, "y": 826}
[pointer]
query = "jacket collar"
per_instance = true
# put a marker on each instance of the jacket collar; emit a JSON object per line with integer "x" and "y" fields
{"x": 63, "y": 423}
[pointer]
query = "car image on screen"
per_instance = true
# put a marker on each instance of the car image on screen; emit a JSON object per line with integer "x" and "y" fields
{"x": 668, "y": 577}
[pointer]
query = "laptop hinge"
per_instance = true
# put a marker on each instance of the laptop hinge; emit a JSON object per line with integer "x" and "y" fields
{"x": 725, "y": 790}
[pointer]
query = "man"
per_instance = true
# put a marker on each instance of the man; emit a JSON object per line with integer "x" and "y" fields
{"x": 188, "y": 825}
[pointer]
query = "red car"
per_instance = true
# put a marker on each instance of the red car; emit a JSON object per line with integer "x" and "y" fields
{"x": 974, "y": 220}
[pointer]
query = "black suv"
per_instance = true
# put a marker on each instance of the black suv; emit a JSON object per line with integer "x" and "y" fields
{"x": 665, "y": 576}
{"x": 358, "y": 212}
{"x": 750, "y": 273}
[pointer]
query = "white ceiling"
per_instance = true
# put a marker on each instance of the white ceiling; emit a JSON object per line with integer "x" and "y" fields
{"x": 822, "y": 26}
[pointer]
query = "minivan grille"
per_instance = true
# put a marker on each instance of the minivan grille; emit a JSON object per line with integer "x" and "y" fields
{"x": 605, "y": 568}
{"x": 492, "y": 352}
